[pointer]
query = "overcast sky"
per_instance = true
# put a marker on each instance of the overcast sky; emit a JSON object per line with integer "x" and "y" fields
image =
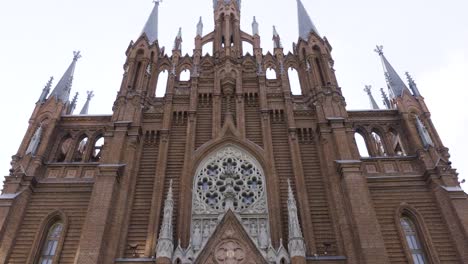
{"x": 428, "y": 38}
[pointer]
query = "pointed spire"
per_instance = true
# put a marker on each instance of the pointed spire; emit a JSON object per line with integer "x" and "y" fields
{"x": 85, "y": 109}
{"x": 296, "y": 244}
{"x": 46, "y": 90}
{"x": 394, "y": 82}
{"x": 165, "y": 245}
{"x": 386, "y": 101}
{"x": 200, "y": 28}
{"x": 73, "y": 104}
{"x": 178, "y": 40}
{"x": 62, "y": 90}
{"x": 371, "y": 97}
{"x": 151, "y": 26}
{"x": 412, "y": 85}
{"x": 276, "y": 39}
{"x": 254, "y": 26}
{"x": 306, "y": 26}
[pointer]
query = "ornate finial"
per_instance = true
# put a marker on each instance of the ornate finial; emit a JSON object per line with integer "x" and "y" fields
{"x": 76, "y": 55}
{"x": 386, "y": 101}
{"x": 379, "y": 49}
{"x": 200, "y": 27}
{"x": 276, "y": 39}
{"x": 255, "y": 30}
{"x": 296, "y": 243}
{"x": 367, "y": 89}
{"x": 412, "y": 84}
{"x": 75, "y": 98}
{"x": 90, "y": 95}
{"x": 178, "y": 40}
{"x": 165, "y": 246}
{"x": 49, "y": 83}
{"x": 374, "y": 105}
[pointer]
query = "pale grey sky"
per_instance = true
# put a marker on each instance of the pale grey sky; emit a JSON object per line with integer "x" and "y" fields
{"x": 428, "y": 38}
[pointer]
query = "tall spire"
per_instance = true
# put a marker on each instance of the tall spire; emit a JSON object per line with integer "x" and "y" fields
{"x": 85, "y": 109}
{"x": 151, "y": 26}
{"x": 386, "y": 101}
{"x": 394, "y": 82}
{"x": 62, "y": 90}
{"x": 200, "y": 28}
{"x": 178, "y": 40}
{"x": 276, "y": 39}
{"x": 46, "y": 90}
{"x": 371, "y": 97}
{"x": 296, "y": 244}
{"x": 412, "y": 85}
{"x": 306, "y": 26}
{"x": 255, "y": 27}
{"x": 165, "y": 246}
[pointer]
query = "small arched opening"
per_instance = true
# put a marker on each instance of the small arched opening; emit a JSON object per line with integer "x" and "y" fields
{"x": 294, "y": 82}
{"x": 162, "y": 84}
{"x": 361, "y": 145}
{"x": 184, "y": 76}
{"x": 271, "y": 74}
{"x": 379, "y": 144}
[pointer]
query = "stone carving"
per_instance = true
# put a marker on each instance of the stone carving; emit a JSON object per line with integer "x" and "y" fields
{"x": 296, "y": 240}
{"x": 165, "y": 246}
{"x": 230, "y": 252}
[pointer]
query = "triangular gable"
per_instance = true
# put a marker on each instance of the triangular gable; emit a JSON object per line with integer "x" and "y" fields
{"x": 230, "y": 243}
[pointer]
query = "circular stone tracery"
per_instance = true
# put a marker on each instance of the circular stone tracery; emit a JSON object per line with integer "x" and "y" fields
{"x": 231, "y": 180}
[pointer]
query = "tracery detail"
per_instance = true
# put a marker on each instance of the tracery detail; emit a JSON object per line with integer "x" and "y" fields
{"x": 230, "y": 179}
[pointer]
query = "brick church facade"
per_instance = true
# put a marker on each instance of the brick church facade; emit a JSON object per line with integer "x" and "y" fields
{"x": 229, "y": 166}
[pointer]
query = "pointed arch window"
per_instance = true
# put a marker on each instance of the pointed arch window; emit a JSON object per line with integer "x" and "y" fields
{"x": 97, "y": 149}
{"x": 81, "y": 150}
{"x": 361, "y": 144}
{"x": 184, "y": 76}
{"x": 294, "y": 82}
{"x": 50, "y": 245}
{"x": 271, "y": 74}
{"x": 397, "y": 146}
{"x": 413, "y": 240}
{"x": 378, "y": 144}
{"x": 64, "y": 148}
{"x": 162, "y": 84}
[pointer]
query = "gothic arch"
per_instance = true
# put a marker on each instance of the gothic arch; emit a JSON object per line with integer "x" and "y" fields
{"x": 406, "y": 210}
{"x": 46, "y": 224}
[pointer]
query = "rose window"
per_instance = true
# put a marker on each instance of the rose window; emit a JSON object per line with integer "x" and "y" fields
{"x": 229, "y": 181}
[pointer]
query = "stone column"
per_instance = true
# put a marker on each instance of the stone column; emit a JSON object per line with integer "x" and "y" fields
{"x": 92, "y": 244}
{"x": 361, "y": 210}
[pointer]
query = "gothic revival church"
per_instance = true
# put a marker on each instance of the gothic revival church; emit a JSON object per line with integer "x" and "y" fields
{"x": 229, "y": 166}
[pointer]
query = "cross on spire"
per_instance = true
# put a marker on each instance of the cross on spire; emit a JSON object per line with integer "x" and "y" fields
{"x": 394, "y": 82}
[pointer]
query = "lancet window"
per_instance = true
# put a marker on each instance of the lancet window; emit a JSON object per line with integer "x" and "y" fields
{"x": 50, "y": 245}
{"x": 229, "y": 179}
{"x": 413, "y": 240}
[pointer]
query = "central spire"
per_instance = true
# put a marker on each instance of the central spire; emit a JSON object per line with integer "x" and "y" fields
{"x": 394, "y": 82}
{"x": 306, "y": 26}
{"x": 62, "y": 89}
{"x": 151, "y": 26}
